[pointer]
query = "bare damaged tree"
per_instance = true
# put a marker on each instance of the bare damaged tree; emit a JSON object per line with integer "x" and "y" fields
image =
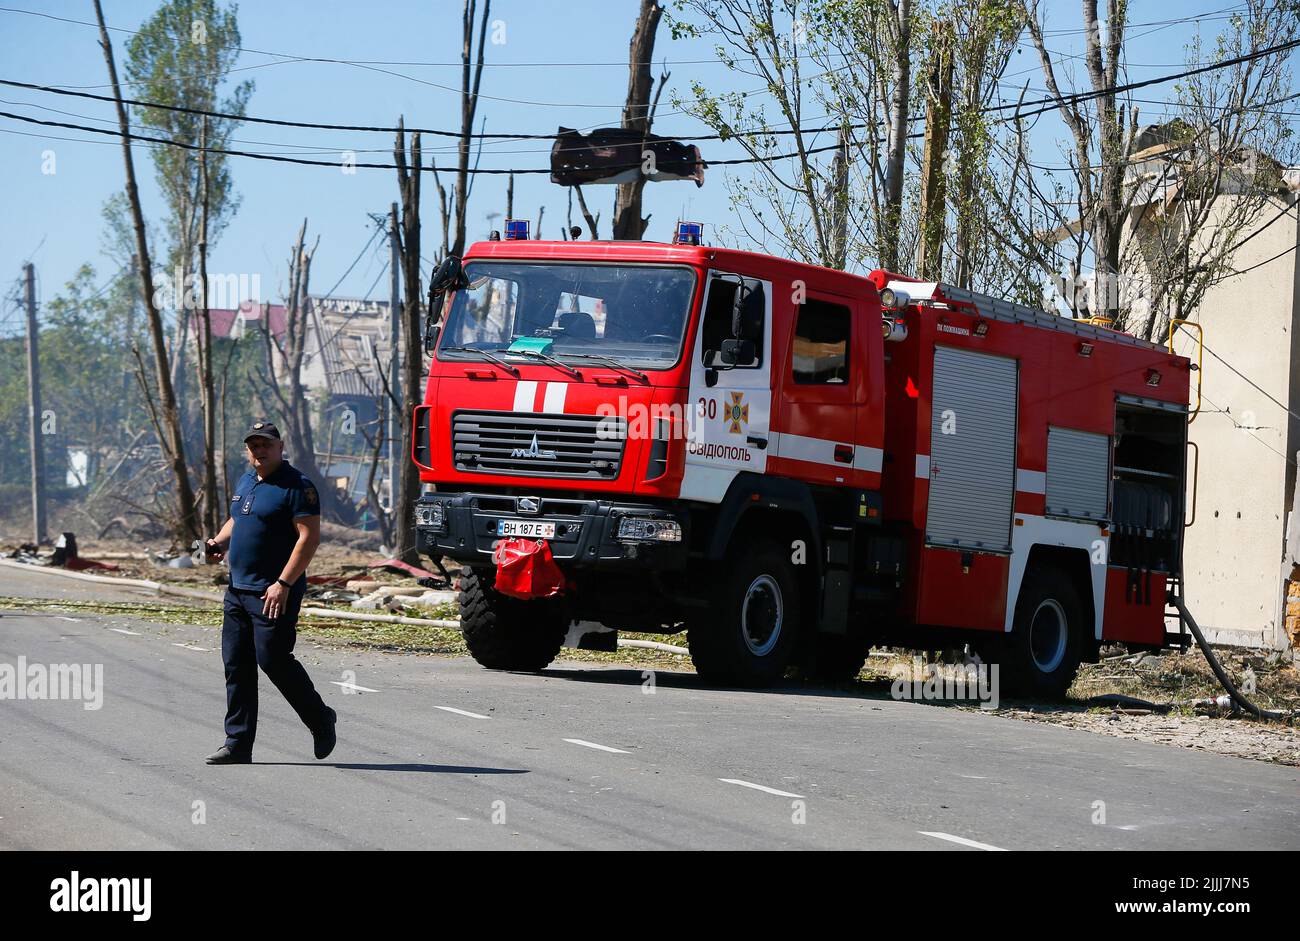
{"x": 593, "y": 222}
{"x": 171, "y": 435}
{"x": 934, "y": 176}
{"x": 784, "y": 200}
{"x": 471, "y": 75}
{"x": 285, "y": 383}
{"x": 898, "y": 33}
{"x": 444, "y": 212}
{"x": 637, "y": 116}
{"x": 211, "y": 520}
{"x": 408, "y": 182}
{"x": 1097, "y": 129}
{"x": 987, "y": 35}
{"x": 1213, "y": 173}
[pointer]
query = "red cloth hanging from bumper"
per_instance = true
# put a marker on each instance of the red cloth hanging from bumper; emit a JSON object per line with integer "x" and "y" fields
{"x": 526, "y": 569}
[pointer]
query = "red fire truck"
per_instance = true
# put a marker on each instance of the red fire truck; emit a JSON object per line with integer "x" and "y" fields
{"x": 793, "y": 463}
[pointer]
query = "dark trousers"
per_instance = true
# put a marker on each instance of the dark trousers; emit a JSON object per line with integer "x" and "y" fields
{"x": 250, "y": 639}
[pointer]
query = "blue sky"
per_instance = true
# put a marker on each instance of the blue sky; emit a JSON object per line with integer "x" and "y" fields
{"x": 560, "y": 63}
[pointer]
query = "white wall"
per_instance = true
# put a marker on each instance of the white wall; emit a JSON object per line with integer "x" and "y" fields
{"x": 1233, "y": 556}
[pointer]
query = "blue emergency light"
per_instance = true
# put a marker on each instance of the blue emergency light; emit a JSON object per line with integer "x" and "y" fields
{"x": 516, "y": 230}
{"x": 688, "y": 233}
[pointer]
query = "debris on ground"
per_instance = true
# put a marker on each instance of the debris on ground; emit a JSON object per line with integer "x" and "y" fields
{"x": 404, "y": 568}
{"x": 1170, "y": 699}
{"x": 64, "y": 555}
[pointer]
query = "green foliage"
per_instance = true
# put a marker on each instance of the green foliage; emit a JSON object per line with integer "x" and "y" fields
{"x": 180, "y": 57}
{"x": 86, "y": 383}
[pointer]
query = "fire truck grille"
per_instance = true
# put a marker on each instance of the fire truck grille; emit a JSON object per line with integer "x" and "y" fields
{"x": 538, "y": 445}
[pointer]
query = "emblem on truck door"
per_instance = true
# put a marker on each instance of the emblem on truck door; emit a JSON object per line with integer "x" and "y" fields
{"x": 736, "y": 413}
{"x": 533, "y": 451}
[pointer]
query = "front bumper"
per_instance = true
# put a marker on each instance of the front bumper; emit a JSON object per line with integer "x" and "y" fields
{"x": 586, "y": 531}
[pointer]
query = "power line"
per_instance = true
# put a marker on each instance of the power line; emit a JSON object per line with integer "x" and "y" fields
{"x": 1077, "y": 97}
{"x": 382, "y": 272}
{"x": 368, "y": 166}
{"x": 360, "y": 255}
{"x": 366, "y": 128}
{"x": 1261, "y": 264}
{"x": 292, "y": 57}
{"x": 278, "y": 122}
{"x": 1052, "y": 102}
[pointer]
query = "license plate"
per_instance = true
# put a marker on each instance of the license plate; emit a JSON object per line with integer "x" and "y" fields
{"x": 528, "y": 529}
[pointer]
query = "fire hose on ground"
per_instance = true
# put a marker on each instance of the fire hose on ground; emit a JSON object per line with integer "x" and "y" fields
{"x": 1237, "y": 697}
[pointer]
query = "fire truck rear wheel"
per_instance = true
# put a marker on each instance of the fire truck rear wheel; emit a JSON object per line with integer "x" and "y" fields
{"x": 752, "y": 630}
{"x": 1046, "y": 644}
{"x": 505, "y": 633}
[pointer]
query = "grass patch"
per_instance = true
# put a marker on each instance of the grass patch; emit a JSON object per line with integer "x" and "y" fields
{"x": 377, "y": 635}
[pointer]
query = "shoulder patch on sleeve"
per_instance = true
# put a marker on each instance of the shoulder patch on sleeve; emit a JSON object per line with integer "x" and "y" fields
{"x": 310, "y": 495}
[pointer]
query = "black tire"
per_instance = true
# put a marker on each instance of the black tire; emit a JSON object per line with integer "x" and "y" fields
{"x": 722, "y": 648}
{"x": 504, "y": 633}
{"x": 1047, "y": 636}
{"x": 834, "y": 658}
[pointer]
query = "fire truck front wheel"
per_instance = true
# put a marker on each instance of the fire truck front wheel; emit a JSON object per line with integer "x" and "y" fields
{"x": 505, "y": 633}
{"x": 751, "y": 631}
{"x": 1046, "y": 644}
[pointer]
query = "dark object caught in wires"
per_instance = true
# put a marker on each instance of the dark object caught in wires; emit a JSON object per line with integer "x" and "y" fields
{"x": 615, "y": 155}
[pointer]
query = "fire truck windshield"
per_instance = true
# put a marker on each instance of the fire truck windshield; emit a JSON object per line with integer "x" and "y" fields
{"x": 635, "y": 314}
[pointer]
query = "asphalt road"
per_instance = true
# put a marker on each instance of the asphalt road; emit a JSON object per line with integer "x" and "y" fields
{"x": 437, "y": 753}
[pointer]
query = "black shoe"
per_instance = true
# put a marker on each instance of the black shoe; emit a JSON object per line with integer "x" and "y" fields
{"x": 225, "y": 755}
{"x": 324, "y": 739}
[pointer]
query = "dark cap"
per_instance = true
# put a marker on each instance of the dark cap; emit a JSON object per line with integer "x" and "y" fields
{"x": 263, "y": 429}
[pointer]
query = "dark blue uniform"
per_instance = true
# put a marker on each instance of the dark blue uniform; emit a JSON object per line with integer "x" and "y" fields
{"x": 260, "y": 545}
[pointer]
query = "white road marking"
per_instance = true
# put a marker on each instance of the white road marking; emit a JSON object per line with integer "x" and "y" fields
{"x": 360, "y": 689}
{"x": 962, "y": 840}
{"x": 123, "y": 630}
{"x": 578, "y": 741}
{"x": 759, "y": 787}
{"x": 73, "y": 620}
{"x": 462, "y": 712}
{"x": 192, "y": 647}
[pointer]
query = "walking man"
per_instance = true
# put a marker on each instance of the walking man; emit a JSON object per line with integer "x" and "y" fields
{"x": 270, "y": 538}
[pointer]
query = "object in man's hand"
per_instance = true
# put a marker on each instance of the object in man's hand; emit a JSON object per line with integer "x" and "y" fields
{"x": 212, "y": 552}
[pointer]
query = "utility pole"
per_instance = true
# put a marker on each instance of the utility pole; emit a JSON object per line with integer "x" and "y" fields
{"x": 394, "y": 373}
{"x": 132, "y": 287}
{"x": 34, "y": 410}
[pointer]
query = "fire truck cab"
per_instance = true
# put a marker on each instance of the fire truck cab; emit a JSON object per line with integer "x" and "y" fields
{"x": 793, "y": 463}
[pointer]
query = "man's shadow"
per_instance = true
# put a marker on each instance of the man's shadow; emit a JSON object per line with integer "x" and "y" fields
{"x": 355, "y": 766}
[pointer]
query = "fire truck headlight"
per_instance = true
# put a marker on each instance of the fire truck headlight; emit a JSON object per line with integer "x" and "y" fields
{"x": 634, "y": 529}
{"x": 891, "y": 299}
{"x": 432, "y": 515}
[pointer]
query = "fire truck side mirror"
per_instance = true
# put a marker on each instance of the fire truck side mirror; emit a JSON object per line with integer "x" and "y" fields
{"x": 736, "y": 351}
{"x": 747, "y": 312}
{"x": 448, "y": 276}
